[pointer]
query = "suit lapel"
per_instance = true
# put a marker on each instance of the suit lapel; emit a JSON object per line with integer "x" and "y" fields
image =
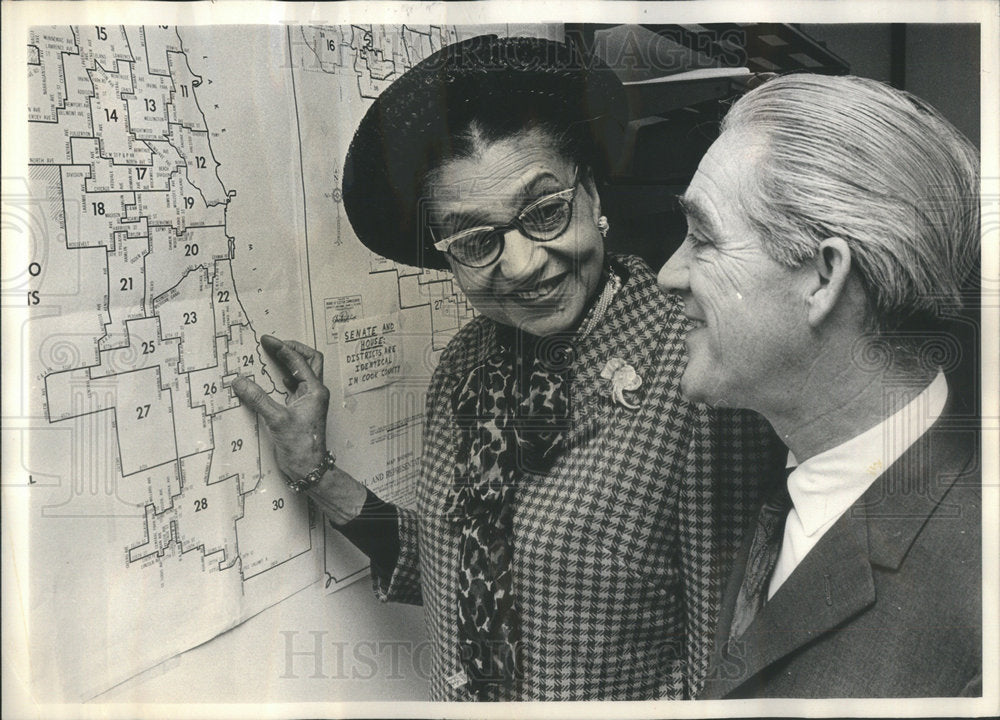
{"x": 834, "y": 581}
{"x": 899, "y": 505}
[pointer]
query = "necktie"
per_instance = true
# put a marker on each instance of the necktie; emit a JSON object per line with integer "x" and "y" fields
{"x": 763, "y": 556}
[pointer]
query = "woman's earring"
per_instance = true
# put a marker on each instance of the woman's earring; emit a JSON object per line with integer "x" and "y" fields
{"x": 603, "y": 225}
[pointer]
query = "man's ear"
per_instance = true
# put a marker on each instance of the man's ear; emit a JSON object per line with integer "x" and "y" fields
{"x": 832, "y": 265}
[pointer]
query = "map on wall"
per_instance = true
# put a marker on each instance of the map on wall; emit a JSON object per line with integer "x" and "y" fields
{"x": 182, "y": 199}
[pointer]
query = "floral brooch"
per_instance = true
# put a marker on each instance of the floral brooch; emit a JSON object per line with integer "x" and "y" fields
{"x": 623, "y": 377}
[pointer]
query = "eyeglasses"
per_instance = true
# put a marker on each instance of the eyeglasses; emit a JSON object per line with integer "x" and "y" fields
{"x": 543, "y": 220}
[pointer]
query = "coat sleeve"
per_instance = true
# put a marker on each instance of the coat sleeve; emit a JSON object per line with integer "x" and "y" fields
{"x": 402, "y": 584}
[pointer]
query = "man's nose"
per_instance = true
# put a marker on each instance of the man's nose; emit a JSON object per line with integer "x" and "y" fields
{"x": 521, "y": 256}
{"x": 674, "y": 275}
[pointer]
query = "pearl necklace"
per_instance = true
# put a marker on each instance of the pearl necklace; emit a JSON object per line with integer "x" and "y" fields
{"x": 597, "y": 312}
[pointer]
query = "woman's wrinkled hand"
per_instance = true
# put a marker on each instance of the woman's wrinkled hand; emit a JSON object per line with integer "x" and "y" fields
{"x": 298, "y": 428}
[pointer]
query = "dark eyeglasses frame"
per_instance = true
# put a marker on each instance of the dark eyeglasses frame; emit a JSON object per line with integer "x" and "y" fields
{"x": 569, "y": 194}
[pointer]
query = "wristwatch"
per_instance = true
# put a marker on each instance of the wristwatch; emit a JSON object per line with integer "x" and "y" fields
{"x": 327, "y": 463}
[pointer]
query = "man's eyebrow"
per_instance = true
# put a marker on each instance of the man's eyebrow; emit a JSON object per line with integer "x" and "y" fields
{"x": 693, "y": 210}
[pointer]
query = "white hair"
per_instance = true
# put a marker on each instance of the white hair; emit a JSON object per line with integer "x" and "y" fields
{"x": 854, "y": 158}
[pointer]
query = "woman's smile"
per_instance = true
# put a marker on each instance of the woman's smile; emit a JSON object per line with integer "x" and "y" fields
{"x": 538, "y": 291}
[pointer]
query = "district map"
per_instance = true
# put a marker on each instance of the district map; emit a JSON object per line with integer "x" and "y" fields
{"x": 182, "y": 198}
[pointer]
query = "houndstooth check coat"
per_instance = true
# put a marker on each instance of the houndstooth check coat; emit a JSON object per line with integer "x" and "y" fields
{"x": 619, "y": 551}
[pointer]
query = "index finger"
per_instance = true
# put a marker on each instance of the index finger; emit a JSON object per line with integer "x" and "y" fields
{"x": 313, "y": 357}
{"x": 294, "y": 364}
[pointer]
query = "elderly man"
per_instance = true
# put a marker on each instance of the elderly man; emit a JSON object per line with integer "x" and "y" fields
{"x": 829, "y": 230}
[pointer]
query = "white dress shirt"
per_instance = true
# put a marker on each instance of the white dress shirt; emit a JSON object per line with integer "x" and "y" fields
{"x": 823, "y": 487}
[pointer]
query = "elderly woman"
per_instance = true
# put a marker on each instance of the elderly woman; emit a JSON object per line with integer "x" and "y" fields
{"x": 569, "y": 533}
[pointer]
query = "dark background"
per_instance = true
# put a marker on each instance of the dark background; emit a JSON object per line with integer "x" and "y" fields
{"x": 673, "y": 125}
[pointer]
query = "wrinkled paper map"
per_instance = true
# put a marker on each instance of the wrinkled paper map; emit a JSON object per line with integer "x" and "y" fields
{"x": 182, "y": 199}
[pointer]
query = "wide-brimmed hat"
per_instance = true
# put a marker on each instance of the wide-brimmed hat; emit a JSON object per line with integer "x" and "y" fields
{"x": 411, "y": 127}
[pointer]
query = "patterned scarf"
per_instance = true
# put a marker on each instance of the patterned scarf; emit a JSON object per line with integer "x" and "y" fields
{"x": 513, "y": 416}
{"x": 511, "y": 412}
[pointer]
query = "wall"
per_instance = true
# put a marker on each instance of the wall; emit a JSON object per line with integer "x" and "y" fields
{"x": 940, "y": 63}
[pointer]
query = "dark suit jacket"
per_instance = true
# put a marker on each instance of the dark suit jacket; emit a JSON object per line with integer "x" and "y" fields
{"x": 888, "y": 602}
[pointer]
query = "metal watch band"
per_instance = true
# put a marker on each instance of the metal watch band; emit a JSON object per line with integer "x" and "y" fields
{"x": 313, "y": 478}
